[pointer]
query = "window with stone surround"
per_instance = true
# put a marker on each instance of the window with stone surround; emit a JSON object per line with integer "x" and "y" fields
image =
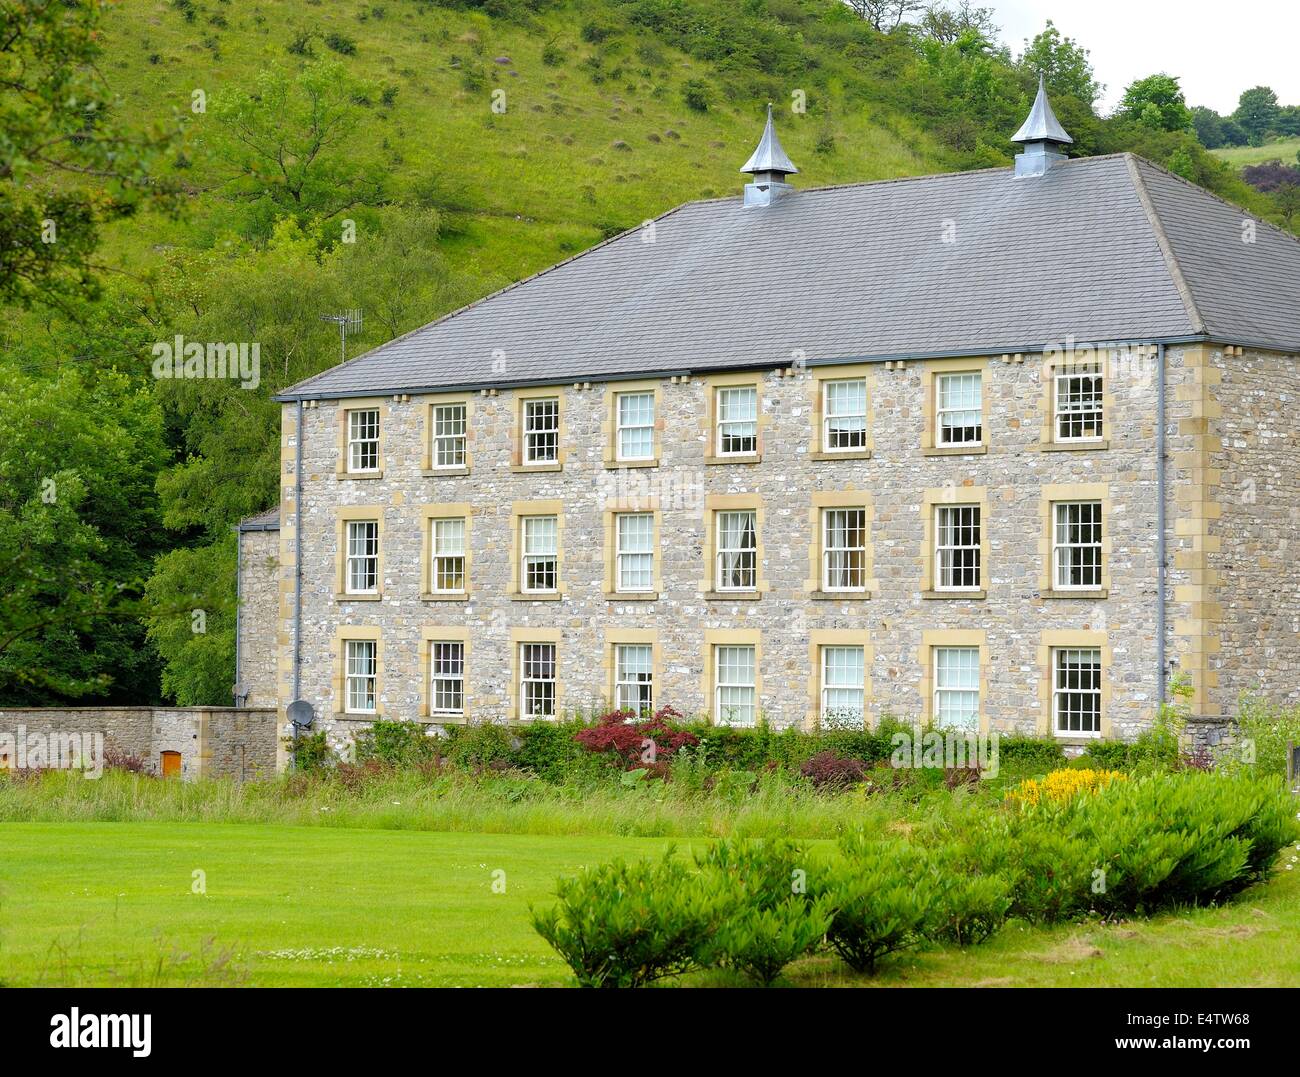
{"x": 542, "y": 431}
{"x": 735, "y": 688}
{"x": 362, "y": 569}
{"x": 360, "y": 675}
{"x": 447, "y": 677}
{"x": 737, "y": 420}
{"x": 1077, "y": 403}
{"x": 363, "y": 440}
{"x": 844, "y": 549}
{"x": 842, "y": 692}
{"x": 1076, "y": 691}
{"x": 537, "y": 680}
{"x": 540, "y": 545}
{"x": 1076, "y": 545}
{"x": 447, "y": 566}
{"x": 634, "y": 677}
{"x": 634, "y": 418}
{"x": 956, "y": 687}
{"x": 634, "y": 551}
{"x": 737, "y": 551}
{"x": 449, "y": 436}
{"x": 957, "y": 548}
{"x": 844, "y": 415}
{"x": 959, "y": 409}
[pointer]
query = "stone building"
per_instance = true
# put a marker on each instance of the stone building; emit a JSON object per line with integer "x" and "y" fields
{"x": 1002, "y": 449}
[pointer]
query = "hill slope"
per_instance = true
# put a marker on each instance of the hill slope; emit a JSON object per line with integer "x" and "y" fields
{"x": 591, "y": 131}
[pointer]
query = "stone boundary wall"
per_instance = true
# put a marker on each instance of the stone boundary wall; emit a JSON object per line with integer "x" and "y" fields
{"x": 225, "y": 742}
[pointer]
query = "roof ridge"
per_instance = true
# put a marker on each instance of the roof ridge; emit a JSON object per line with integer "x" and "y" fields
{"x": 305, "y": 382}
{"x": 1162, "y": 240}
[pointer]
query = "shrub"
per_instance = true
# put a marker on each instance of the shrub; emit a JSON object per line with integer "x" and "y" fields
{"x": 695, "y": 92}
{"x": 880, "y": 903}
{"x": 627, "y": 925}
{"x": 311, "y": 752}
{"x": 549, "y": 750}
{"x": 119, "y": 759}
{"x": 399, "y": 744}
{"x": 827, "y": 771}
{"x": 1062, "y": 785}
{"x": 1036, "y": 751}
{"x": 340, "y": 43}
{"x": 1264, "y": 734}
{"x": 636, "y": 744}
{"x": 480, "y": 745}
{"x": 775, "y": 921}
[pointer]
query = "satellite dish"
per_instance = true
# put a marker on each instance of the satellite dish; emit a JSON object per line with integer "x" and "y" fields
{"x": 300, "y": 713}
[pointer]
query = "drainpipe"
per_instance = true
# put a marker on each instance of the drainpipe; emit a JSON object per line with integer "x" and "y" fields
{"x": 1160, "y": 524}
{"x": 297, "y": 579}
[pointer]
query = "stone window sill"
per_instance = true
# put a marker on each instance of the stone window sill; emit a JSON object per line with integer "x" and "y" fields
{"x": 443, "y": 472}
{"x": 358, "y": 598}
{"x": 354, "y": 716}
{"x": 732, "y": 596}
{"x": 443, "y": 719}
{"x": 437, "y": 596}
{"x": 632, "y": 596}
{"x": 535, "y": 596}
{"x": 839, "y": 596}
{"x": 521, "y": 469}
{"x": 853, "y": 454}
{"x": 618, "y": 465}
{"x": 977, "y": 595}
{"x": 360, "y": 476}
{"x": 1074, "y": 446}
{"x": 954, "y": 450}
{"x": 747, "y": 458}
{"x": 1089, "y": 593}
{"x": 1077, "y": 739}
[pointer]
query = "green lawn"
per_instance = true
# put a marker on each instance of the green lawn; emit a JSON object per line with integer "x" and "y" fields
{"x": 1284, "y": 151}
{"x": 112, "y": 903}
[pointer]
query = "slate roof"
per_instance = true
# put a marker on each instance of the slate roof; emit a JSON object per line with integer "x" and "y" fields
{"x": 1100, "y": 249}
{"x": 263, "y": 521}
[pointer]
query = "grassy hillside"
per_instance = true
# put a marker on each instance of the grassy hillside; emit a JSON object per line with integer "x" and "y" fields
{"x": 596, "y": 134}
{"x": 1284, "y": 150}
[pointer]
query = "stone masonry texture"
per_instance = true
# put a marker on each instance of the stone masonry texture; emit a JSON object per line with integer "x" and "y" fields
{"x": 1231, "y": 422}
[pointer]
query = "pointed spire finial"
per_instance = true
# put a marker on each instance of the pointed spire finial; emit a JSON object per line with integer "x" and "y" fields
{"x": 769, "y": 158}
{"x": 1042, "y": 124}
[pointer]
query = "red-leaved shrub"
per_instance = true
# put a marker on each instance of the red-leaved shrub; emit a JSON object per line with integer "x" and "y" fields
{"x": 826, "y": 770}
{"x": 637, "y": 743}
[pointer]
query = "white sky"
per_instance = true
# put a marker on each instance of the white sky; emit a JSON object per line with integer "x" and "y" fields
{"x": 1216, "y": 49}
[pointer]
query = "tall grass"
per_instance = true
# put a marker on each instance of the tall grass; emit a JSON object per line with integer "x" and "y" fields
{"x": 771, "y": 806}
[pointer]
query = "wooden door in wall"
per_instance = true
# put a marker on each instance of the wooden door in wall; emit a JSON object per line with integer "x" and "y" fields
{"x": 171, "y": 764}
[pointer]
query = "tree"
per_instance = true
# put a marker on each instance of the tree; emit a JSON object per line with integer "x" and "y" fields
{"x": 947, "y": 25}
{"x": 886, "y": 15}
{"x": 78, "y": 527}
{"x": 67, "y": 167}
{"x": 1271, "y": 176}
{"x": 1208, "y": 125}
{"x": 292, "y": 140}
{"x": 1257, "y": 113}
{"x": 1064, "y": 64}
{"x": 1156, "y": 101}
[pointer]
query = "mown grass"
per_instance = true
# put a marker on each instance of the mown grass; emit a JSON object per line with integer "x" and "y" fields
{"x": 89, "y": 903}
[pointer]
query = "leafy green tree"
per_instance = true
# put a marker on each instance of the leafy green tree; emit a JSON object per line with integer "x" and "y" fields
{"x": 292, "y": 140}
{"x": 67, "y": 166}
{"x": 1063, "y": 62}
{"x": 1257, "y": 113}
{"x": 1157, "y": 101}
{"x": 78, "y": 527}
{"x": 1208, "y": 125}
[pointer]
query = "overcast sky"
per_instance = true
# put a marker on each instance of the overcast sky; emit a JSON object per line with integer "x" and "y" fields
{"x": 1216, "y": 49}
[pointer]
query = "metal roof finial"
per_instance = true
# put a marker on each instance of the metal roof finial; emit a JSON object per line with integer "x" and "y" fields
{"x": 1042, "y": 124}
{"x": 769, "y": 158}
